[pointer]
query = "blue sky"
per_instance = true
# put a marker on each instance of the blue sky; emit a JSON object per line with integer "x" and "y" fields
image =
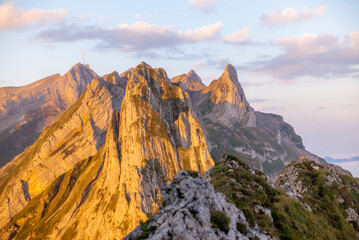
{"x": 299, "y": 59}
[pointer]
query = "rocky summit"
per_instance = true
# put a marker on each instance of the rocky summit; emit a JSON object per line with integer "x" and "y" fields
{"x": 108, "y": 144}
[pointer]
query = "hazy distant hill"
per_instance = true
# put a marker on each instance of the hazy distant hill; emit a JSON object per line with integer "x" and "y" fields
{"x": 332, "y": 160}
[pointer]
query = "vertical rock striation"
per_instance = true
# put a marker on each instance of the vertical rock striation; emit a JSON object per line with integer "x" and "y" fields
{"x": 113, "y": 149}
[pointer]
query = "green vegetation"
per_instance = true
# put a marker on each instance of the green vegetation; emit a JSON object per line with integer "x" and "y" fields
{"x": 323, "y": 198}
{"x": 248, "y": 189}
{"x": 147, "y": 231}
{"x": 220, "y": 220}
{"x": 242, "y": 228}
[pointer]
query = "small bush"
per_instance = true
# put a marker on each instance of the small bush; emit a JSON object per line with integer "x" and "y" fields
{"x": 242, "y": 228}
{"x": 147, "y": 231}
{"x": 220, "y": 220}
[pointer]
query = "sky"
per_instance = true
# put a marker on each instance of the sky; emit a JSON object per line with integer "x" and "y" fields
{"x": 298, "y": 59}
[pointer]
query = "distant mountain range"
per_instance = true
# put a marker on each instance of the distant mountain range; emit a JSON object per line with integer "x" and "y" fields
{"x": 98, "y": 149}
{"x": 332, "y": 160}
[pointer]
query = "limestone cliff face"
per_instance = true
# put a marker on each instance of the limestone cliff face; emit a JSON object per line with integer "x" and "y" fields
{"x": 224, "y": 101}
{"x": 264, "y": 140}
{"x": 75, "y": 136}
{"x": 25, "y": 111}
{"x": 105, "y": 159}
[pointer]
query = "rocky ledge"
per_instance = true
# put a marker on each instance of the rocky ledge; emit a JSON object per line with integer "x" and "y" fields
{"x": 192, "y": 209}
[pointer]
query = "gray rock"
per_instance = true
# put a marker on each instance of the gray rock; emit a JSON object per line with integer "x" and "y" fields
{"x": 186, "y": 213}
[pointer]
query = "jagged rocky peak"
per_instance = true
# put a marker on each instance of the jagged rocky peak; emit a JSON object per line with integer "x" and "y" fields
{"x": 190, "y": 81}
{"x": 119, "y": 80}
{"x": 224, "y": 100}
{"x": 231, "y": 72}
{"x": 194, "y": 76}
{"x": 228, "y": 89}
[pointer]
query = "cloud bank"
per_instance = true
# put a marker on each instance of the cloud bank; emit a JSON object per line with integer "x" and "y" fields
{"x": 126, "y": 37}
{"x": 315, "y": 55}
{"x": 12, "y": 18}
{"x": 289, "y": 15}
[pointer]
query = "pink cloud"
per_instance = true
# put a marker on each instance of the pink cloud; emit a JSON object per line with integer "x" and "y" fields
{"x": 237, "y": 37}
{"x": 289, "y": 15}
{"x": 203, "y": 33}
{"x": 205, "y": 6}
{"x": 316, "y": 55}
{"x": 132, "y": 37}
{"x": 16, "y": 18}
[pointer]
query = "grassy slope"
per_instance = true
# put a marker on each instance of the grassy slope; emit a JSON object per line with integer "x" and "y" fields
{"x": 291, "y": 220}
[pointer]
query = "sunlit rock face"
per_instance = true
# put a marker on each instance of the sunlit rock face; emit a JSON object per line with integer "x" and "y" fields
{"x": 25, "y": 111}
{"x": 190, "y": 81}
{"x": 96, "y": 172}
{"x": 263, "y": 140}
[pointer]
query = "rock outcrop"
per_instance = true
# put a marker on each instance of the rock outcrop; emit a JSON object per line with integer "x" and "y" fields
{"x": 25, "y": 111}
{"x": 191, "y": 209}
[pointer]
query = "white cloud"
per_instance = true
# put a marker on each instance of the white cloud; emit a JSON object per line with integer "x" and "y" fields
{"x": 289, "y": 15}
{"x": 127, "y": 37}
{"x": 205, "y": 6}
{"x": 12, "y": 17}
{"x": 203, "y": 33}
{"x": 237, "y": 37}
{"x": 316, "y": 55}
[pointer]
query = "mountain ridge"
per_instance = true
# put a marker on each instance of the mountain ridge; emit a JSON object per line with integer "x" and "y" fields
{"x": 26, "y": 110}
{"x": 107, "y": 155}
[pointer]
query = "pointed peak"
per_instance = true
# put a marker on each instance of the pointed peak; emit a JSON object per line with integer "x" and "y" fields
{"x": 194, "y": 76}
{"x": 231, "y": 73}
{"x": 191, "y": 72}
{"x": 80, "y": 68}
{"x": 230, "y": 69}
{"x": 78, "y": 65}
{"x": 143, "y": 65}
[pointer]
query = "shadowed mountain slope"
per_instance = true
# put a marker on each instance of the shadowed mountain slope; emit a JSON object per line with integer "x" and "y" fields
{"x": 26, "y": 110}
